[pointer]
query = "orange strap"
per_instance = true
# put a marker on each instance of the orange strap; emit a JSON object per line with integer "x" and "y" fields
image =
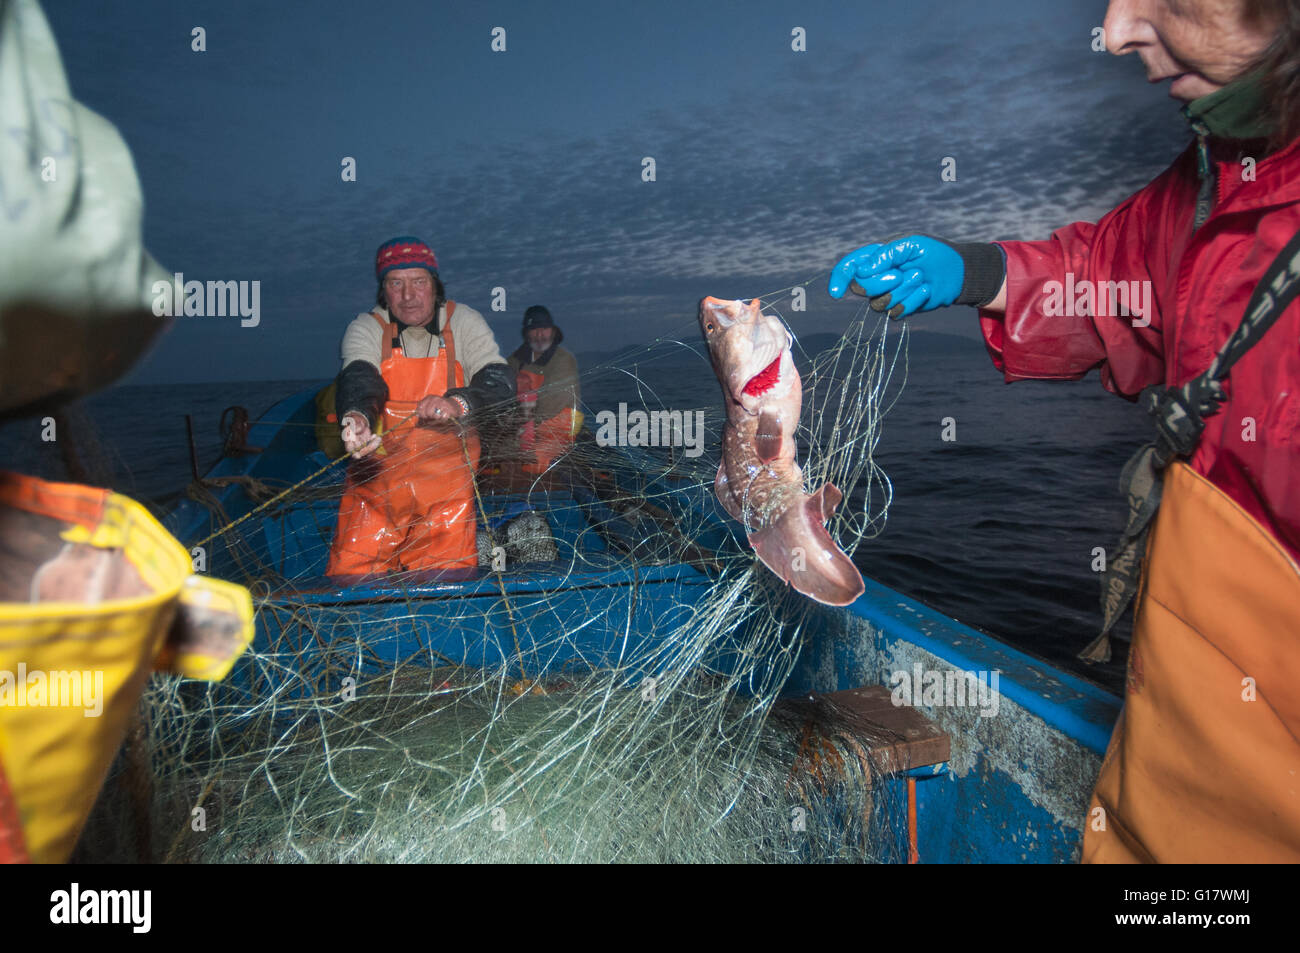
{"x": 70, "y": 502}
{"x": 1204, "y": 764}
{"x": 449, "y": 340}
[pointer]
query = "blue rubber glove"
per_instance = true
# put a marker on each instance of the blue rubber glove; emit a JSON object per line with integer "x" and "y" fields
{"x": 920, "y": 273}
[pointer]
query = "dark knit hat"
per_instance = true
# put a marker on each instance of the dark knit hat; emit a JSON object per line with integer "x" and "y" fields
{"x": 404, "y": 252}
{"x": 537, "y": 317}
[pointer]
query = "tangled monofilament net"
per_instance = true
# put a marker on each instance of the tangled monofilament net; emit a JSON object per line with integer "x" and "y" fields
{"x": 492, "y": 730}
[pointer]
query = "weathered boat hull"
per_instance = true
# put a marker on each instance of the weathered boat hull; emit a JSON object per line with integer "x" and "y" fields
{"x": 1024, "y": 751}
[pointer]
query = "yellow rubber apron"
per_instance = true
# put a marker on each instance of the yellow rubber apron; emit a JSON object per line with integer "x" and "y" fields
{"x": 107, "y": 596}
{"x": 1204, "y": 763}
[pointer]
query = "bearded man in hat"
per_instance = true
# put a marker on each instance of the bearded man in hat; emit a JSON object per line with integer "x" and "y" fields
{"x": 546, "y": 380}
{"x": 415, "y": 371}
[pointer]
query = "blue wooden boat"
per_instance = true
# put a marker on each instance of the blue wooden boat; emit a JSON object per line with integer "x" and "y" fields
{"x": 1008, "y": 774}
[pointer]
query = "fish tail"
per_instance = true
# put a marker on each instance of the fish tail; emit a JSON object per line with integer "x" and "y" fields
{"x": 798, "y": 548}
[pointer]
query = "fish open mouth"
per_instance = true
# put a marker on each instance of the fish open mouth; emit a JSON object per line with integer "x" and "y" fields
{"x": 764, "y": 380}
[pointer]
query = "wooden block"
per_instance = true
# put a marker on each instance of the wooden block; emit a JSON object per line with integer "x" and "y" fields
{"x": 895, "y": 737}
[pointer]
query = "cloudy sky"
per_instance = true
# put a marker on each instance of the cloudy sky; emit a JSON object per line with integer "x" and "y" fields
{"x": 523, "y": 168}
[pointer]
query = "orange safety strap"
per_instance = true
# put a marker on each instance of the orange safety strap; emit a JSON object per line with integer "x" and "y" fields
{"x": 449, "y": 342}
{"x": 70, "y": 502}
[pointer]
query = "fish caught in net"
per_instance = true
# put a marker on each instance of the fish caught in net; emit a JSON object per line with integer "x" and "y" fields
{"x": 606, "y": 686}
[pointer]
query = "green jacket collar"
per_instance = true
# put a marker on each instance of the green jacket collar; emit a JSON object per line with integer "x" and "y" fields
{"x": 1238, "y": 111}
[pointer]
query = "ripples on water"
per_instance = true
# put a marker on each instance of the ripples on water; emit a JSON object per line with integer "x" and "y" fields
{"x": 995, "y": 529}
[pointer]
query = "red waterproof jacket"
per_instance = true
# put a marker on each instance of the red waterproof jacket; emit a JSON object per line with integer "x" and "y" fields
{"x": 1199, "y": 283}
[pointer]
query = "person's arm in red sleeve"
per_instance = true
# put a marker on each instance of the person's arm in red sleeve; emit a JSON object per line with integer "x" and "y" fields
{"x": 1046, "y": 329}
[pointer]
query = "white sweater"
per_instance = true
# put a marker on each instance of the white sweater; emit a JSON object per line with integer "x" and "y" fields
{"x": 476, "y": 346}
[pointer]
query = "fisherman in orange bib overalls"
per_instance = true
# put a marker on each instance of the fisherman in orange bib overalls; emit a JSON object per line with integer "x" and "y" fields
{"x": 546, "y": 379}
{"x": 414, "y": 370}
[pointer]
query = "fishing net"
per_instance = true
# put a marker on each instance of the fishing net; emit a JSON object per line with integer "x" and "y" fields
{"x": 613, "y": 692}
